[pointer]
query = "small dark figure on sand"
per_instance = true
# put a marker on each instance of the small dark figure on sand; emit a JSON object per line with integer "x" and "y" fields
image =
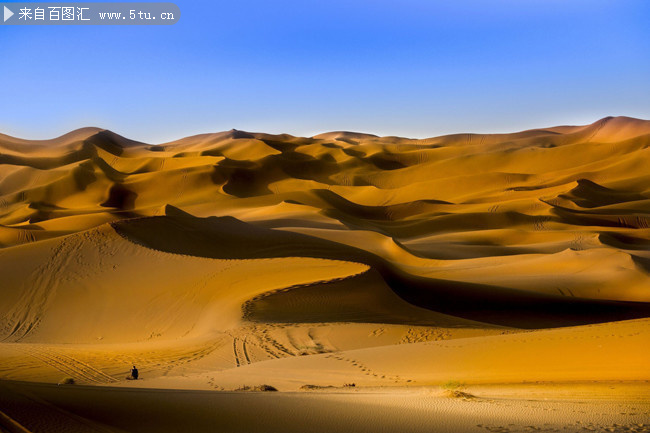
{"x": 134, "y": 373}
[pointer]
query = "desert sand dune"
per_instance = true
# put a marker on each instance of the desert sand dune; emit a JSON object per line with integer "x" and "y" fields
{"x": 235, "y": 259}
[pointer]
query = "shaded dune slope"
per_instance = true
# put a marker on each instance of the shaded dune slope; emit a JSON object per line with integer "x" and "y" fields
{"x": 229, "y": 238}
{"x": 548, "y": 227}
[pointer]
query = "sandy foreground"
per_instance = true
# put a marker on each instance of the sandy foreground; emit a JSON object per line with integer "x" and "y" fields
{"x": 462, "y": 283}
{"x": 574, "y": 408}
{"x": 591, "y": 377}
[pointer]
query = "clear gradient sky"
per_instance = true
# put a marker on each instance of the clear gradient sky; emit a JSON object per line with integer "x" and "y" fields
{"x": 413, "y": 68}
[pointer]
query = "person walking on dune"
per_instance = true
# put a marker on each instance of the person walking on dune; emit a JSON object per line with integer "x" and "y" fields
{"x": 134, "y": 373}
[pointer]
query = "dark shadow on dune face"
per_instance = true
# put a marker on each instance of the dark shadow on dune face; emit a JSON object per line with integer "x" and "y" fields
{"x": 385, "y": 162}
{"x": 229, "y": 238}
{"x": 46, "y": 163}
{"x": 433, "y": 223}
{"x": 302, "y": 166}
{"x": 332, "y": 145}
{"x": 237, "y": 134}
{"x": 252, "y": 178}
{"x": 44, "y": 211}
{"x": 343, "y": 209}
{"x": 354, "y": 153}
{"x": 243, "y": 182}
{"x": 602, "y": 219}
{"x": 120, "y": 197}
{"x": 225, "y": 238}
{"x": 348, "y": 141}
{"x": 530, "y": 188}
{"x": 624, "y": 242}
{"x": 329, "y": 159}
{"x": 84, "y": 175}
{"x": 365, "y": 298}
{"x": 242, "y": 178}
{"x": 280, "y": 223}
{"x": 462, "y": 251}
{"x": 509, "y": 307}
{"x": 281, "y": 146}
{"x": 631, "y": 244}
{"x": 111, "y": 142}
{"x": 641, "y": 262}
{"x": 589, "y": 194}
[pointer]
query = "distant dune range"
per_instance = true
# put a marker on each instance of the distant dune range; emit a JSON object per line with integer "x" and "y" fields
{"x": 222, "y": 250}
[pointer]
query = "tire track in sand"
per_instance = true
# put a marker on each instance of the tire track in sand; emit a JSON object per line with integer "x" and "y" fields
{"x": 66, "y": 364}
{"x": 38, "y": 291}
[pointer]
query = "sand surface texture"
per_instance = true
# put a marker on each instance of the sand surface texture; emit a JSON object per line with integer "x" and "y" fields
{"x": 417, "y": 270}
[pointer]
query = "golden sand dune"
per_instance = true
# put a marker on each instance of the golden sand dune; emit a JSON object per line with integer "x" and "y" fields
{"x": 217, "y": 260}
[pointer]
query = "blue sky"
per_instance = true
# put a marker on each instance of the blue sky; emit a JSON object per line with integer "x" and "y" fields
{"x": 414, "y": 68}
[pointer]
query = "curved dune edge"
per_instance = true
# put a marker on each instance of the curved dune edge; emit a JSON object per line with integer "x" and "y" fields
{"x": 97, "y": 286}
{"x": 246, "y": 255}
